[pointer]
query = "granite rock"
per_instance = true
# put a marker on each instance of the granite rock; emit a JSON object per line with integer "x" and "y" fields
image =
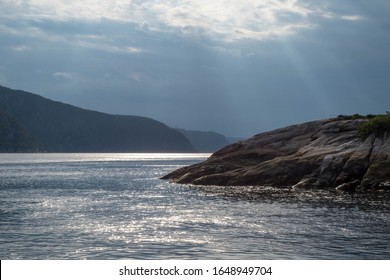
{"x": 319, "y": 154}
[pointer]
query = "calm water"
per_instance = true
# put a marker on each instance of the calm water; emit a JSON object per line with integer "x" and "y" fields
{"x": 114, "y": 206}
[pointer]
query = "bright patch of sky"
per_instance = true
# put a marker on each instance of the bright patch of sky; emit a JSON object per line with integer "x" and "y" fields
{"x": 236, "y": 67}
{"x": 228, "y": 20}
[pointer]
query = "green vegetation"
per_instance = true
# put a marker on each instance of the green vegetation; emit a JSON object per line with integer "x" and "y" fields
{"x": 375, "y": 124}
{"x": 371, "y": 124}
{"x": 355, "y": 117}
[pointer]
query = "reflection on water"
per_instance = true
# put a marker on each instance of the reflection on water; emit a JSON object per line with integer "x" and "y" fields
{"x": 114, "y": 206}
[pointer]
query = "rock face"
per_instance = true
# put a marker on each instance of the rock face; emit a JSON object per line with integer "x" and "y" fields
{"x": 318, "y": 154}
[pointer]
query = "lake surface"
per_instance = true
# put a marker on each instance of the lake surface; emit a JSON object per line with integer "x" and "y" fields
{"x": 114, "y": 206}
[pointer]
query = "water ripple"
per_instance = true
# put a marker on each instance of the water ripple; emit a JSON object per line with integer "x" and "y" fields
{"x": 113, "y": 206}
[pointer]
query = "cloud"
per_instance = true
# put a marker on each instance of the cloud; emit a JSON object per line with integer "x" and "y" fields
{"x": 64, "y": 9}
{"x": 64, "y": 75}
{"x": 137, "y": 76}
{"x": 216, "y": 65}
{"x": 352, "y": 17}
{"x": 223, "y": 20}
{"x": 20, "y": 48}
{"x": 119, "y": 47}
{"x": 226, "y": 20}
{"x": 120, "y": 26}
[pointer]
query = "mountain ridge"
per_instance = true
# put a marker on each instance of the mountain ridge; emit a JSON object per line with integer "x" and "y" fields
{"x": 60, "y": 127}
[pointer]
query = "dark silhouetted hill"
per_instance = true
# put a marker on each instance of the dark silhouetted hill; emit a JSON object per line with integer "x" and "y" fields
{"x": 59, "y": 127}
{"x": 205, "y": 142}
{"x": 13, "y": 137}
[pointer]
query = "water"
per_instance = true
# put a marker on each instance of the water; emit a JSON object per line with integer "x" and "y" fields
{"x": 114, "y": 206}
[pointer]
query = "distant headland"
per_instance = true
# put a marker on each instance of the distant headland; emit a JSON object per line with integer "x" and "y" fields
{"x": 347, "y": 153}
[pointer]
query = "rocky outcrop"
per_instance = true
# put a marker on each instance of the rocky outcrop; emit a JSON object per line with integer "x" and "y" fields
{"x": 319, "y": 154}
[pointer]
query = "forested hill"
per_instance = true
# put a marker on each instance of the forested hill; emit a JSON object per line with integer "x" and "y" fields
{"x": 13, "y": 137}
{"x": 59, "y": 127}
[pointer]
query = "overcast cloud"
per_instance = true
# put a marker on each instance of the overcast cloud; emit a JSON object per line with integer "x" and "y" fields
{"x": 236, "y": 67}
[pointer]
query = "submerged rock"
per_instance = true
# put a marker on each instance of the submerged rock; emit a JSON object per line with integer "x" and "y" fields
{"x": 319, "y": 154}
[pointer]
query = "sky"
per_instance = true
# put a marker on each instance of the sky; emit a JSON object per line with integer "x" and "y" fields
{"x": 234, "y": 67}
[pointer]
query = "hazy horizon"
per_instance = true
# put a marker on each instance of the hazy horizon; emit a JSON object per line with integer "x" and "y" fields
{"x": 237, "y": 68}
